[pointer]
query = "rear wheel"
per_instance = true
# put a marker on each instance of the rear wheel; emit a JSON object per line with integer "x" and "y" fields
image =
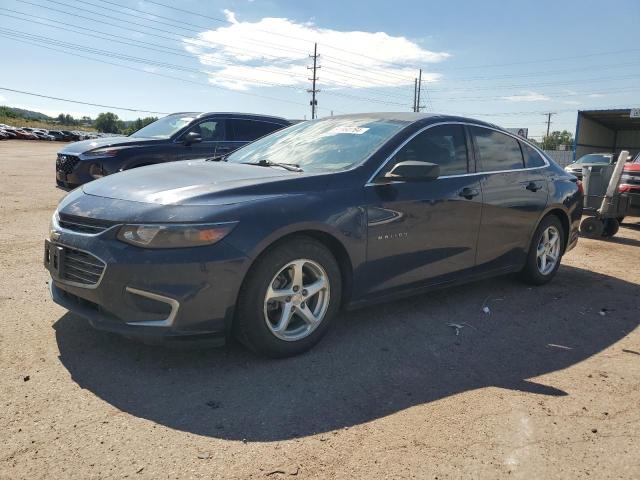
{"x": 289, "y": 298}
{"x": 545, "y": 252}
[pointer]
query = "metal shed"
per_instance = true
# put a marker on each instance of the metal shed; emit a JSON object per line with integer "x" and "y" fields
{"x": 607, "y": 131}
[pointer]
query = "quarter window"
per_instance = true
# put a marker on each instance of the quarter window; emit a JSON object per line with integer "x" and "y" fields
{"x": 249, "y": 130}
{"x": 497, "y": 151}
{"x": 443, "y": 145}
{"x": 532, "y": 158}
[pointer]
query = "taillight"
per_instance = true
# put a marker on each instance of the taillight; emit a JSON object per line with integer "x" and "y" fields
{"x": 580, "y": 187}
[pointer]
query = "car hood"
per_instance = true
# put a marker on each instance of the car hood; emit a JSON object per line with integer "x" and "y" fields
{"x": 77, "y": 148}
{"x": 194, "y": 183}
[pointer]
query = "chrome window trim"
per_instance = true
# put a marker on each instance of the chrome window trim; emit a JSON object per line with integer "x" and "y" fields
{"x": 204, "y": 119}
{"x": 173, "y": 303}
{"x": 371, "y": 182}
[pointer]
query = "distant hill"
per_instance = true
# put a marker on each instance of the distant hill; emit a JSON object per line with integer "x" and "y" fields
{"x": 22, "y": 113}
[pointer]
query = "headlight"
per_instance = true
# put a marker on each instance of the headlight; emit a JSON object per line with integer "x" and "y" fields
{"x": 174, "y": 235}
{"x": 101, "y": 153}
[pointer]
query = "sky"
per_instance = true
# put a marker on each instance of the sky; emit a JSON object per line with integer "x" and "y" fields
{"x": 507, "y": 62}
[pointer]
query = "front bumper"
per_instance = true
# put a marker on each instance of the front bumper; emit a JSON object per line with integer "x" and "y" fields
{"x": 153, "y": 295}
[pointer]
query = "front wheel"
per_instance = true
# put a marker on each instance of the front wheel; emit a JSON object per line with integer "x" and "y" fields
{"x": 289, "y": 298}
{"x": 545, "y": 252}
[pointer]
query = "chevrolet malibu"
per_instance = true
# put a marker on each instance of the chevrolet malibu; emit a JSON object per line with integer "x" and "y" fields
{"x": 270, "y": 242}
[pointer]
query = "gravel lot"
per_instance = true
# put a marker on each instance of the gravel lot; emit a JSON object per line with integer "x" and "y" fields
{"x": 545, "y": 386}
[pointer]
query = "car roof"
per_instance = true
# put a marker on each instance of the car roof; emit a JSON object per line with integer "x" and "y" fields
{"x": 412, "y": 117}
{"x": 246, "y": 116}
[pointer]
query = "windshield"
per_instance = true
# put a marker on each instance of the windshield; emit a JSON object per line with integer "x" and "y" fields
{"x": 594, "y": 158}
{"x": 327, "y": 145}
{"x": 164, "y": 127}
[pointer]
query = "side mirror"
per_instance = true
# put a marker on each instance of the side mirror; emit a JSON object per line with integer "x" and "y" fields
{"x": 191, "y": 137}
{"x": 413, "y": 172}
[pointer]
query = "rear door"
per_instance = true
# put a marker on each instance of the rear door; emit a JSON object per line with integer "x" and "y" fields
{"x": 514, "y": 196}
{"x": 242, "y": 131}
{"x": 421, "y": 233}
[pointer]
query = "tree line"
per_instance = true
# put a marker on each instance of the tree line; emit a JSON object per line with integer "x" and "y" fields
{"x": 109, "y": 122}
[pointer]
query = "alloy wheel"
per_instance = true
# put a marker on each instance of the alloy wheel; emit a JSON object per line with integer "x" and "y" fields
{"x": 297, "y": 300}
{"x": 548, "y": 251}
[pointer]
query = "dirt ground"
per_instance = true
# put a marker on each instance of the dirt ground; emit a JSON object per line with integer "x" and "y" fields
{"x": 545, "y": 386}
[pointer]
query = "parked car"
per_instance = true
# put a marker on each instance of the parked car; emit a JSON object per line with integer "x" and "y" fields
{"x": 592, "y": 158}
{"x": 630, "y": 185}
{"x": 59, "y": 136}
{"x": 4, "y": 135}
{"x": 342, "y": 211}
{"x": 10, "y": 132}
{"x": 180, "y": 136}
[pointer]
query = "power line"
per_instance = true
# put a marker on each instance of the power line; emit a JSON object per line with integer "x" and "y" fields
{"x": 107, "y": 53}
{"x": 81, "y": 102}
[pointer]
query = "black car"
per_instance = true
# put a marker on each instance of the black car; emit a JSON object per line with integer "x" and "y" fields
{"x": 180, "y": 136}
{"x": 343, "y": 211}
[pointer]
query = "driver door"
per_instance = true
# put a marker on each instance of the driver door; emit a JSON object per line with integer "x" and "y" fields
{"x": 424, "y": 232}
{"x": 212, "y": 132}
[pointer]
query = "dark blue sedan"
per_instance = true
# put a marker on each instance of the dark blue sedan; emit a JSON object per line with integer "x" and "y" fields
{"x": 271, "y": 241}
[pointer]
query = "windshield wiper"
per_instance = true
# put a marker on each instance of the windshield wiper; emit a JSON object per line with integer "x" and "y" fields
{"x": 292, "y": 167}
{"x": 218, "y": 158}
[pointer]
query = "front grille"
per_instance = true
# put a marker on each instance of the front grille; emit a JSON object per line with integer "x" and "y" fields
{"x": 83, "y": 225}
{"x": 81, "y": 267}
{"x": 66, "y": 163}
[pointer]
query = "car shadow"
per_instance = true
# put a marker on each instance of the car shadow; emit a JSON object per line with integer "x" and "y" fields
{"x": 374, "y": 362}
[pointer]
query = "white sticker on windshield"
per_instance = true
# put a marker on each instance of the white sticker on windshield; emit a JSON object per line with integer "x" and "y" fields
{"x": 349, "y": 130}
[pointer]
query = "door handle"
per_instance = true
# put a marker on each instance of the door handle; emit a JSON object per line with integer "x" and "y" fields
{"x": 533, "y": 187}
{"x": 468, "y": 193}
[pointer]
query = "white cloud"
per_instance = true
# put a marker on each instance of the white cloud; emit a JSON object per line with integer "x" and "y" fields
{"x": 527, "y": 97}
{"x": 595, "y": 95}
{"x": 2, "y": 99}
{"x": 249, "y": 54}
{"x": 572, "y": 102}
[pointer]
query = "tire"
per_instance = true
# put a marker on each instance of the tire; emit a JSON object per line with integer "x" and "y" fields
{"x": 537, "y": 271}
{"x": 258, "y": 321}
{"x": 592, "y": 227}
{"x": 611, "y": 227}
{"x": 620, "y": 219}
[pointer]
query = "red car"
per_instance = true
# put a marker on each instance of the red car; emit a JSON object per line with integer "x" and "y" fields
{"x": 630, "y": 185}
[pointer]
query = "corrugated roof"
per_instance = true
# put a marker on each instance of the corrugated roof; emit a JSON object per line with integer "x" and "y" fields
{"x": 615, "y": 119}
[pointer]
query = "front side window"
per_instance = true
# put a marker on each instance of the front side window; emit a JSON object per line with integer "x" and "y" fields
{"x": 249, "y": 130}
{"x": 209, "y": 130}
{"x": 444, "y": 145}
{"x": 497, "y": 151}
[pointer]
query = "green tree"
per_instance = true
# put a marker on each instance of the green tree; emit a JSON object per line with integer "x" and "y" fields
{"x": 108, "y": 123}
{"x": 557, "y": 138}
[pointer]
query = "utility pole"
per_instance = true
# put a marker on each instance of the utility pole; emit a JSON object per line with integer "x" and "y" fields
{"x": 415, "y": 94}
{"x": 314, "y": 79}
{"x": 419, "y": 89}
{"x": 549, "y": 121}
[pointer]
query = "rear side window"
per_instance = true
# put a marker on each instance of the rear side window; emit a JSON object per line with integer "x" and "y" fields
{"x": 497, "y": 151}
{"x": 249, "y": 130}
{"x": 444, "y": 145}
{"x": 532, "y": 158}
